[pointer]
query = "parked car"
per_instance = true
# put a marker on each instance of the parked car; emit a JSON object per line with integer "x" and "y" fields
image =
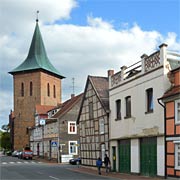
{"x": 26, "y": 154}
{"x": 20, "y": 155}
{"x": 75, "y": 161}
{"x": 15, "y": 153}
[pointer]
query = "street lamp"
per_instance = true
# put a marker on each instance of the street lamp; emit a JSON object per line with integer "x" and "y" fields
{"x": 43, "y": 123}
{"x": 58, "y": 121}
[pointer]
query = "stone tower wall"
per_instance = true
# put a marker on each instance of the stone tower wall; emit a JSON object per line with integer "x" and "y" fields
{"x": 24, "y": 106}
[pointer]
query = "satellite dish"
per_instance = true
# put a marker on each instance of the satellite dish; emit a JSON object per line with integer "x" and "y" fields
{"x": 42, "y": 121}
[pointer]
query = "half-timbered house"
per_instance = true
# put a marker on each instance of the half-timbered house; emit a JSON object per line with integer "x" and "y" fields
{"x": 171, "y": 105}
{"x": 93, "y": 120}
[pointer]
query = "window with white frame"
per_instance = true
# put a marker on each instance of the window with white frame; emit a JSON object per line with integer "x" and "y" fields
{"x": 72, "y": 128}
{"x": 73, "y": 147}
{"x": 177, "y": 111}
{"x": 177, "y": 156}
{"x": 103, "y": 151}
{"x": 101, "y": 126}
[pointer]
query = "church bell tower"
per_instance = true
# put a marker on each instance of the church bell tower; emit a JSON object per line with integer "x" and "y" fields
{"x": 36, "y": 82}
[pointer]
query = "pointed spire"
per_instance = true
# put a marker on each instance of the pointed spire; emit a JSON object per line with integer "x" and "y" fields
{"x": 37, "y": 58}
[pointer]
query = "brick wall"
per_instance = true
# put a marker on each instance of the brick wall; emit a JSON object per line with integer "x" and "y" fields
{"x": 24, "y": 106}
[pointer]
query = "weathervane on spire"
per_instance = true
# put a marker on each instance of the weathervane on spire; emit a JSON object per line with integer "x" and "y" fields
{"x": 37, "y": 16}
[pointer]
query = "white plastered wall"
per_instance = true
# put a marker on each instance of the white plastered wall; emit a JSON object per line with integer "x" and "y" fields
{"x": 160, "y": 156}
{"x": 135, "y": 156}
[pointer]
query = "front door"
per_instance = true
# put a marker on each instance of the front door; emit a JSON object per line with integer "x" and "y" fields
{"x": 148, "y": 156}
{"x": 114, "y": 158}
{"x": 124, "y": 156}
{"x": 37, "y": 149}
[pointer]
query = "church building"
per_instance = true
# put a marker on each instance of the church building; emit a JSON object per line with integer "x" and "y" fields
{"x": 36, "y": 82}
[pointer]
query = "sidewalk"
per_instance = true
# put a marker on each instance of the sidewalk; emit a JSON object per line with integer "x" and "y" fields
{"x": 93, "y": 170}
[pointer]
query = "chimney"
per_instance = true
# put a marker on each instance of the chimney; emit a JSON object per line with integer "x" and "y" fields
{"x": 110, "y": 73}
{"x": 143, "y": 58}
{"x": 123, "y": 68}
{"x": 72, "y": 95}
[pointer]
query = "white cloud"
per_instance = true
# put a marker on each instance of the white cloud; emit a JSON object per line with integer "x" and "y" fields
{"x": 76, "y": 51}
{"x": 98, "y": 22}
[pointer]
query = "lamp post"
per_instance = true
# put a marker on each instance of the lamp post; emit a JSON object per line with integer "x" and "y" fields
{"x": 58, "y": 121}
{"x": 29, "y": 136}
{"x": 42, "y": 123}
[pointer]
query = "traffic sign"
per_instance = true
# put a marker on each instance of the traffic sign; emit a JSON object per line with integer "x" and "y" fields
{"x": 54, "y": 144}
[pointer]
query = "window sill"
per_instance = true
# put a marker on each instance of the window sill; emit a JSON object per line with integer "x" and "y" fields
{"x": 149, "y": 112}
{"x": 177, "y": 122}
{"x": 117, "y": 119}
{"x": 101, "y": 133}
{"x": 177, "y": 168}
{"x": 127, "y": 117}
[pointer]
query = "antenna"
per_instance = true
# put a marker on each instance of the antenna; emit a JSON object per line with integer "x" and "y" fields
{"x": 37, "y": 12}
{"x": 73, "y": 79}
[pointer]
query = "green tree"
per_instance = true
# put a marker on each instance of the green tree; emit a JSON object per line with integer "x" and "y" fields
{"x": 5, "y": 127}
{"x": 5, "y": 141}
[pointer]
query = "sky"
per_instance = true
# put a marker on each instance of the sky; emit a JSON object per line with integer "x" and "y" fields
{"x": 83, "y": 37}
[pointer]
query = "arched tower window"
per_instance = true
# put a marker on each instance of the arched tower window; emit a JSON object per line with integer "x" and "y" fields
{"x": 54, "y": 91}
{"x": 48, "y": 89}
{"x": 22, "y": 89}
{"x": 31, "y": 89}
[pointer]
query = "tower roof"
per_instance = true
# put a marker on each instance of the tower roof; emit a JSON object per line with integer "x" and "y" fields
{"x": 37, "y": 58}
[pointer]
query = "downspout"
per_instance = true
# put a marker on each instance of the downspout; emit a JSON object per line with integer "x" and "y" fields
{"x": 165, "y": 146}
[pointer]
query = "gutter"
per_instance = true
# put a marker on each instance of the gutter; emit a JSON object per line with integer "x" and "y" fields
{"x": 165, "y": 146}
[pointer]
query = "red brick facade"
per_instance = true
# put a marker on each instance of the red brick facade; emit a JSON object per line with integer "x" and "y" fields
{"x": 24, "y": 106}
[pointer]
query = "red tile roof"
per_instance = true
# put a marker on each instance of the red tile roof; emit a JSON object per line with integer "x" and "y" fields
{"x": 43, "y": 109}
{"x": 171, "y": 92}
{"x": 67, "y": 105}
{"x": 101, "y": 86}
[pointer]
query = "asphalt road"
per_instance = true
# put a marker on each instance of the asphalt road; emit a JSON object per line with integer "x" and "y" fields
{"x": 18, "y": 169}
